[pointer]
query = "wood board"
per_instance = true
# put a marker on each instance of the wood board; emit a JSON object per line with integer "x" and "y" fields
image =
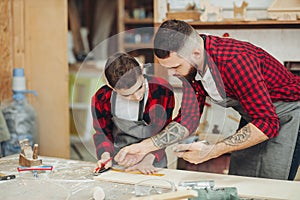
{"x": 247, "y": 186}
{"x": 6, "y": 57}
{"x": 46, "y": 70}
{"x": 184, "y": 15}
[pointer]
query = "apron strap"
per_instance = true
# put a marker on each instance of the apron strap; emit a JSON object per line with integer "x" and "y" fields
{"x": 205, "y": 55}
{"x": 141, "y": 109}
{"x": 113, "y": 102}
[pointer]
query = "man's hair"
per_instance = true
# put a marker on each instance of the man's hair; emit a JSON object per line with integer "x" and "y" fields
{"x": 171, "y": 36}
{"x": 122, "y": 71}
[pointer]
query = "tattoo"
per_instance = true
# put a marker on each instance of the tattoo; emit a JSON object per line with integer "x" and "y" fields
{"x": 240, "y": 137}
{"x": 171, "y": 134}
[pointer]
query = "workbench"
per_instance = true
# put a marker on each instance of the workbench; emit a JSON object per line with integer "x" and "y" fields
{"x": 72, "y": 179}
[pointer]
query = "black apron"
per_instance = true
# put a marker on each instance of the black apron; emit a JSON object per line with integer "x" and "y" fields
{"x": 271, "y": 158}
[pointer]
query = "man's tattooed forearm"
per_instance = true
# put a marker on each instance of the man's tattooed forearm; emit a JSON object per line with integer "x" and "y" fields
{"x": 240, "y": 137}
{"x": 171, "y": 134}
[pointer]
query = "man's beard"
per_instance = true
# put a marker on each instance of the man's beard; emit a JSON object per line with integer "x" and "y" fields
{"x": 191, "y": 74}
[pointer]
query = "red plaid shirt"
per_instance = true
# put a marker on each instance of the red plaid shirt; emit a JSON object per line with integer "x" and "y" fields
{"x": 245, "y": 73}
{"x": 160, "y": 95}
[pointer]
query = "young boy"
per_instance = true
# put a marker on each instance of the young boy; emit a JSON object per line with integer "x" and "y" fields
{"x": 130, "y": 108}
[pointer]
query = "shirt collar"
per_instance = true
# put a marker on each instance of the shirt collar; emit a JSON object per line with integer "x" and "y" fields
{"x": 198, "y": 77}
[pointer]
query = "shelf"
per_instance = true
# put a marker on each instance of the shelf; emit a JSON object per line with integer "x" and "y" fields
{"x": 246, "y": 24}
{"x": 138, "y": 45}
{"x": 235, "y": 24}
{"x": 138, "y": 21}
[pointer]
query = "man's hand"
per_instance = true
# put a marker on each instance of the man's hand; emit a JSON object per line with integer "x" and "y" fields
{"x": 145, "y": 166}
{"x": 197, "y": 152}
{"x": 132, "y": 154}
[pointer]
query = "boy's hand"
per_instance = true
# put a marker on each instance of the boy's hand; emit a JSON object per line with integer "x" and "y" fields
{"x": 104, "y": 163}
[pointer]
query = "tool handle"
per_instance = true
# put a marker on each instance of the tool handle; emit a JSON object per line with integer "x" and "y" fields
{"x": 103, "y": 164}
{"x": 8, "y": 177}
{"x": 20, "y": 169}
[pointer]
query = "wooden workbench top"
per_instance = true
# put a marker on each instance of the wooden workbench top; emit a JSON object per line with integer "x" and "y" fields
{"x": 72, "y": 179}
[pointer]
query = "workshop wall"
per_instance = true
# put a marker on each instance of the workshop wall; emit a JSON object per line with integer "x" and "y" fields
{"x": 33, "y": 36}
{"x": 5, "y": 48}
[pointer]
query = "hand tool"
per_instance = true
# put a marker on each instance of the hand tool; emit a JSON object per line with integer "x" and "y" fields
{"x": 4, "y": 177}
{"x": 35, "y": 169}
{"x": 197, "y": 184}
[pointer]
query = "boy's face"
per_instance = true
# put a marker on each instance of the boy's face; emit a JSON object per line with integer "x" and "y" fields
{"x": 134, "y": 93}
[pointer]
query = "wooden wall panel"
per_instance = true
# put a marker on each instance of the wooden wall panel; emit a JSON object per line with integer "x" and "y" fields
{"x": 33, "y": 35}
{"x": 46, "y": 65}
{"x": 17, "y": 33}
{"x": 5, "y": 50}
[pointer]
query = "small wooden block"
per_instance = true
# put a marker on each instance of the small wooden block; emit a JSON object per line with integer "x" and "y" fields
{"x": 184, "y": 15}
{"x": 23, "y": 161}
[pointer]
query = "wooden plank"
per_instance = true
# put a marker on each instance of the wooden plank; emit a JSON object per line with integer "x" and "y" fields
{"x": 5, "y": 49}
{"x": 132, "y": 178}
{"x": 138, "y": 21}
{"x": 246, "y": 186}
{"x": 121, "y": 26}
{"x": 102, "y": 42}
{"x": 46, "y": 65}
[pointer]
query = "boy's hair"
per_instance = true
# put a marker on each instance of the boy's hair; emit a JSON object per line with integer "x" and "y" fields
{"x": 171, "y": 36}
{"x": 122, "y": 71}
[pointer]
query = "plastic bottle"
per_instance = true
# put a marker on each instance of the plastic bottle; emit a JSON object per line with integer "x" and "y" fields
{"x": 19, "y": 115}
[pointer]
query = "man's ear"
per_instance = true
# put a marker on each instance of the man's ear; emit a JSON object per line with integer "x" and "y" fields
{"x": 196, "y": 53}
{"x": 195, "y": 56}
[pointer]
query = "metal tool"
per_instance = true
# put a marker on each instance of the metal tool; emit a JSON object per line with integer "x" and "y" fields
{"x": 190, "y": 140}
{"x": 4, "y": 177}
{"x": 198, "y": 184}
{"x": 207, "y": 191}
